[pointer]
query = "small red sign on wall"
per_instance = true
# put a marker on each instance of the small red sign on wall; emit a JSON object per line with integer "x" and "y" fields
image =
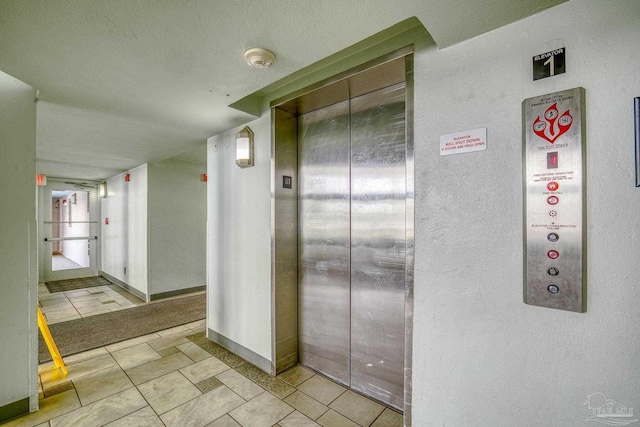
{"x": 127, "y": 177}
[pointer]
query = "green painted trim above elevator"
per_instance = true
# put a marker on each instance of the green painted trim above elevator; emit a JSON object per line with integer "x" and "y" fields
{"x": 405, "y": 33}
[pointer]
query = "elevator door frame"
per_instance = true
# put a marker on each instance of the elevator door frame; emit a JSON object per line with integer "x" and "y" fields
{"x": 386, "y": 71}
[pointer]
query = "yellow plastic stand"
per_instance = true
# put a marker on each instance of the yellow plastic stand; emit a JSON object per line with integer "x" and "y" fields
{"x": 51, "y": 345}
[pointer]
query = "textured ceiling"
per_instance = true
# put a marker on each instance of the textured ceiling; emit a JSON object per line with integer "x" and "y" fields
{"x": 125, "y": 82}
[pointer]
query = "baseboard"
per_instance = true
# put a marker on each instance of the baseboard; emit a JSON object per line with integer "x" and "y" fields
{"x": 178, "y": 292}
{"x": 124, "y": 286}
{"x": 14, "y": 410}
{"x": 241, "y": 351}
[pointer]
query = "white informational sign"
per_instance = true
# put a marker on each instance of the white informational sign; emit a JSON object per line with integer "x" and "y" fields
{"x": 463, "y": 142}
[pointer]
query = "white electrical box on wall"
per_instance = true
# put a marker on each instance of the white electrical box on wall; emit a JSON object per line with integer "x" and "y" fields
{"x": 555, "y": 200}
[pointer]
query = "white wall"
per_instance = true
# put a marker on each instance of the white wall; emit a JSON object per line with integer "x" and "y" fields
{"x": 177, "y": 225}
{"x": 124, "y": 239}
{"x": 18, "y": 244}
{"x": 239, "y": 241}
{"x": 481, "y": 356}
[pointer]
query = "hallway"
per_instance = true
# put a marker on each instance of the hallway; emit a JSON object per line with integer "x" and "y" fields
{"x": 75, "y": 304}
{"x": 177, "y": 377}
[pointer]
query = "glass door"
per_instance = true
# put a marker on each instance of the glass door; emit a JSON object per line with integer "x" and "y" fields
{"x": 69, "y": 230}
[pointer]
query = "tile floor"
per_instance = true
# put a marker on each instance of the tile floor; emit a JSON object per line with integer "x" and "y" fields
{"x": 61, "y": 262}
{"x": 62, "y": 306}
{"x": 177, "y": 377}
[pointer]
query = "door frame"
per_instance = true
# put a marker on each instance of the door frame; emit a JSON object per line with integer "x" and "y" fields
{"x": 45, "y": 229}
{"x": 284, "y": 202}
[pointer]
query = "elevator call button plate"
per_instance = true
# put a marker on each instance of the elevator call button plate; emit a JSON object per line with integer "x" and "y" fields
{"x": 554, "y": 194}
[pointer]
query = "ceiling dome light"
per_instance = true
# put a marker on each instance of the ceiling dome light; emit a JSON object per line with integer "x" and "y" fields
{"x": 259, "y": 58}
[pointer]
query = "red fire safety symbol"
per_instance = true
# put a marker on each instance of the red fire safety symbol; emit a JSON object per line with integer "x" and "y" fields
{"x": 551, "y": 128}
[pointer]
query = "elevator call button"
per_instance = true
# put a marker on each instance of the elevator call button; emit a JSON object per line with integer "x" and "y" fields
{"x": 553, "y": 254}
{"x": 553, "y": 186}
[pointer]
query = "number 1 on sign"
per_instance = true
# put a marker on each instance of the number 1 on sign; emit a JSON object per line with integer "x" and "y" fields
{"x": 552, "y": 67}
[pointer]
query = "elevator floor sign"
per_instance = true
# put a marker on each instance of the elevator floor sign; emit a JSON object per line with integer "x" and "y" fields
{"x": 463, "y": 142}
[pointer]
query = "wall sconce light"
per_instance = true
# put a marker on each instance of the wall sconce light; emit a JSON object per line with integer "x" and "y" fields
{"x": 102, "y": 189}
{"x": 244, "y": 148}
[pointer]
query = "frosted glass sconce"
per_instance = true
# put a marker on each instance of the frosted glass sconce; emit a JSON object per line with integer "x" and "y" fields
{"x": 244, "y": 148}
{"x": 102, "y": 189}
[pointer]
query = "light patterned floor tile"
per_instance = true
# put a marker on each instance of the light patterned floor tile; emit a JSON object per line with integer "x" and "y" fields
{"x": 169, "y": 391}
{"x": 60, "y": 314}
{"x": 296, "y": 419}
{"x": 321, "y": 389}
{"x": 103, "y": 411}
{"x": 64, "y": 319}
{"x": 101, "y": 384}
{"x": 225, "y": 421}
{"x": 357, "y": 408}
{"x": 207, "y": 368}
{"x": 131, "y": 357}
{"x": 194, "y": 352}
{"x": 262, "y": 411}
{"x": 239, "y": 384}
{"x": 333, "y": 419}
{"x": 204, "y": 409}
{"x": 296, "y": 375}
{"x": 389, "y": 418}
{"x": 144, "y": 417}
{"x": 197, "y": 325}
{"x": 86, "y": 355}
{"x": 55, "y": 304}
{"x": 169, "y": 351}
{"x": 170, "y": 341}
{"x": 86, "y": 312}
{"x": 51, "y": 407}
{"x": 130, "y": 343}
{"x": 158, "y": 368}
{"x": 305, "y": 404}
{"x": 87, "y": 303}
{"x": 182, "y": 329}
{"x": 77, "y": 370}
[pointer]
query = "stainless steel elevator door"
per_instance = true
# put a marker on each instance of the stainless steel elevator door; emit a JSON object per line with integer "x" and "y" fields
{"x": 352, "y": 231}
{"x": 378, "y": 244}
{"x": 323, "y": 241}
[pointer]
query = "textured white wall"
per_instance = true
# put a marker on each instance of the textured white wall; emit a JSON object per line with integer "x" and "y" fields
{"x": 124, "y": 240}
{"x": 481, "y": 356}
{"x": 239, "y": 241}
{"x": 18, "y": 244}
{"x": 177, "y": 225}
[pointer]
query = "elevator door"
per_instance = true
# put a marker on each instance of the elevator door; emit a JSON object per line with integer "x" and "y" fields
{"x": 352, "y": 242}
